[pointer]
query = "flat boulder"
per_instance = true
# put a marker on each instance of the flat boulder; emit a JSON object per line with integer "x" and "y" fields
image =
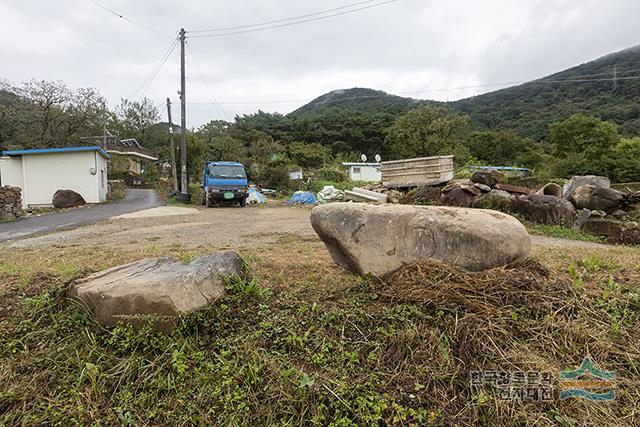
{"x": 580, "y": 180}
{"x": 544, "y": 209}
{"x": 381, "y": 239}
{"x": 157, "y": 289}
{"x": 457, "y": 197}
{"x": 495, "y": 199}
{"x": 593, "y": 198}
{"x": 67, "y": 199}
{"x": 607, "y": 227}
{"x": 488, "y": 177}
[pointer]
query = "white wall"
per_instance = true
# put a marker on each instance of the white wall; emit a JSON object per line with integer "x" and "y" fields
{"x": 44, "y": 174}
{"x": 102, "y": 178}
{"x": 11, "y": 174}
{"x": 366, "y": 173}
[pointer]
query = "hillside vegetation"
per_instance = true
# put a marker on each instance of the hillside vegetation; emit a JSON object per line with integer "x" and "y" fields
{"x": 517, "y": 126}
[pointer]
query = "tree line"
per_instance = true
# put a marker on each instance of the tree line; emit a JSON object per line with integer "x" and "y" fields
{"x": 40, "y": 114}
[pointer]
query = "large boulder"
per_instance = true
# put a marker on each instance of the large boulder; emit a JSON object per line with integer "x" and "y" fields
{"x": 607, "y": 226}
{"x": 157, "y": 289}
{"x": 457, "y": 197}
{"x": 67, "y": 199}
{"x": 495, "y": 199}
{"x": 593, "y": 197}
{"x": 488, "y": 177}
{"x": 381, "y": 239}
{"x": 545, "y": 209}
{"x": 580, "y": 180}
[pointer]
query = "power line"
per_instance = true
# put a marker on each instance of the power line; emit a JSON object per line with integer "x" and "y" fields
{"x": 260, "y": 24}
{"x": 297, "y": 101}
{"x": 139, "y": 24}
{"x": 142, "y": 88}
{"x": 204, "y": 80}
{"x": 294, "y": 23}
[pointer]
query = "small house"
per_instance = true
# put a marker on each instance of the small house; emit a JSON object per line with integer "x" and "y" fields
{"x": 369, "y": 172}
{"x": 127, "y": 155}
{"x": 39, "y": 173}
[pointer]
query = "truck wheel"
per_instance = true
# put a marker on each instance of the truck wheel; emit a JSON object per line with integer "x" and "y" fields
{"x": 243, "y": 202}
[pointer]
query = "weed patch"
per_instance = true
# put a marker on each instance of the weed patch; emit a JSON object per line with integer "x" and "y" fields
{"x": 307, "y": 343}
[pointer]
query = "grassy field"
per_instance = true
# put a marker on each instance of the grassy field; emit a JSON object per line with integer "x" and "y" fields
{"x": 306, "y": 343}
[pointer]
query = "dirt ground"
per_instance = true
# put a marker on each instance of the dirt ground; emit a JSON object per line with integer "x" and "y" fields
{"x": 190, "y": 227}
{"x": 222, "y": 228}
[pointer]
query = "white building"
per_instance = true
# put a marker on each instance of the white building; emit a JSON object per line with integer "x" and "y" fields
{"x": 42, "y": 172}
{"x": 369, "y": 172}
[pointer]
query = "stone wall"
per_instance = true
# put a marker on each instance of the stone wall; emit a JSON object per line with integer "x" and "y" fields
{"x": 10, "y": 203}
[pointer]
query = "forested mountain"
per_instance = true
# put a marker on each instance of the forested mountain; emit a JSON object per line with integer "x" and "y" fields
{"x": 529, "y": 108}
{"x": 587, "y": 89}
{"x": 361, "y": 99}
{"x": 526, "y": 125}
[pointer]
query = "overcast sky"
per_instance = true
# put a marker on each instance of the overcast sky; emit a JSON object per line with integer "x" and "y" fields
{"x": 418, "y": 48}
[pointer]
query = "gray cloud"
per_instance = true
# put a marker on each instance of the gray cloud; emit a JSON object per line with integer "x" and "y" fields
{"x": 419, "y": 46}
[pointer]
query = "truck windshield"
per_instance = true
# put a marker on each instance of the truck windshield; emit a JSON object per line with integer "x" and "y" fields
{"x": 227, "y": 172}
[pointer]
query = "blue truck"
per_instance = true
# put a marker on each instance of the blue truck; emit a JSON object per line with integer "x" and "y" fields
{"x": 224, "y": 183}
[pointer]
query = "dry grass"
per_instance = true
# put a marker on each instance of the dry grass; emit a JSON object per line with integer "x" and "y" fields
{"x": 308, "y": 343}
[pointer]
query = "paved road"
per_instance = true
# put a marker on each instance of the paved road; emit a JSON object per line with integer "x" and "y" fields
{"x": 135, "y": 200}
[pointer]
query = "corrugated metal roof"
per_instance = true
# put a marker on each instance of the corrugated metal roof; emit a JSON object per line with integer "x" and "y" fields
{"x": 16, "y": 153}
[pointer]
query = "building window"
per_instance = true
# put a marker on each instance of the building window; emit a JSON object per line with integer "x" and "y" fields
{"x": 356, "y": 170}
{"x": 102, "y": 177}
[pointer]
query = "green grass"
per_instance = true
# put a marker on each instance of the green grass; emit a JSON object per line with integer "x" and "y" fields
{"x": 306, "y": 343}
{"x": 562, "y": 232}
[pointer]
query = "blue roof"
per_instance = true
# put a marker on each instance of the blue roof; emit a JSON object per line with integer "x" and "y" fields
{"x": 15, "y": 153}
{"x": 500, "y": 168}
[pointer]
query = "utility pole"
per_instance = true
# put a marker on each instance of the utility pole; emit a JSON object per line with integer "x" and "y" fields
{"x": 183, "y": 119}
{"x": 174, "y": 170}
{"x": 104, "y": 127}
{"x": 615, "y": 77}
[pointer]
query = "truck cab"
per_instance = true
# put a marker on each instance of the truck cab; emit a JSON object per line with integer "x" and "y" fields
{"x": 224, "y": 183}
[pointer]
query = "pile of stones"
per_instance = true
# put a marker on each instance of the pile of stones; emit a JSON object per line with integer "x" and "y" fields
{"x": 10, "y": 203}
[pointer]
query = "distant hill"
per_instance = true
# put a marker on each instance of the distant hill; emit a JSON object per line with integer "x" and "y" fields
{"x": 360, "y": 99}
{"x": 530, "y": 107}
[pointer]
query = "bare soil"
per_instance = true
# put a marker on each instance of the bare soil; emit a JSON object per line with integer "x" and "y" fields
{"x": 226, "y": 227}
{"x": 187, "y": 227}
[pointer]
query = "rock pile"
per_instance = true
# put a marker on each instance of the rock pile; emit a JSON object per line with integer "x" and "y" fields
{"x": 584, "y": 202}
{"x": 10, "y": 203}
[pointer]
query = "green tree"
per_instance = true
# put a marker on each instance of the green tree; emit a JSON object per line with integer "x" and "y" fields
{"x": 262, "y": 150}
{"x": 133, "y": 118}
{"x": 505, "y": 148}
{"x": 583, "y": 145}
{"x": 427, "y": 131}
{"x": 310, "y": 156}
{"x": 225, "y": 148}
{"x": 584, "y": 136}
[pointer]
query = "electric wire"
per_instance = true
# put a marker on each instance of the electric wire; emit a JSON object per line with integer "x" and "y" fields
{"x": 270, "y": 27}
{"x": 139, "y": 24}
{"x": 142, "y": 88}
{"x": 275, "y": 21}
{"x": 204, "y": 80}
{"x": 575, "y": 79}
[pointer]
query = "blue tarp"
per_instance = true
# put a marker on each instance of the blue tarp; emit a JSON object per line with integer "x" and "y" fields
{"x": 255, "y": 196}
{"x": 302, "y": 197}
{"x": 500, "y": 168}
